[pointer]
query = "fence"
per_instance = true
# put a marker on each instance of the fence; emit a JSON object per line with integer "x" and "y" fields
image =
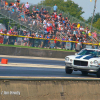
{"x": 42, "y": 42}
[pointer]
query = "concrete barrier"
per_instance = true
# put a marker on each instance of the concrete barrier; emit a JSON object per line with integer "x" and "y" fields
{"x": 33, "y": 52}
{"x": 49, "y": 90}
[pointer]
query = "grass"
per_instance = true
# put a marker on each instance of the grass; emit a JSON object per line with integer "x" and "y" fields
{"x": 19, "y": 46}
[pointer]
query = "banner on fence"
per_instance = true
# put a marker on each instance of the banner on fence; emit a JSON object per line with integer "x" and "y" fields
{"x": 68, "y": 45}
{"x": 19, "y": 41}
{"x": 52, "y": 44}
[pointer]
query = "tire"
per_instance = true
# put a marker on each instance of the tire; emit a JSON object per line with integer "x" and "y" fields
{"x": 68, "y": 71}
{"x": 98, "y": 73}
{"x": 84, "y": 73}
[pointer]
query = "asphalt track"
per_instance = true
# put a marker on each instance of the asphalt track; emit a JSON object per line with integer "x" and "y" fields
{"x": 37, "y": 67}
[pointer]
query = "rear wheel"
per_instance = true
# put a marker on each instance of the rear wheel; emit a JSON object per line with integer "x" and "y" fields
{"x": 85, "y": 73}
{"x": 68, "y": 71}
{"x": 98, "y": 73}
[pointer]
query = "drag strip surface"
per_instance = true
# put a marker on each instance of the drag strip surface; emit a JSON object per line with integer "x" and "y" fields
{"x": 36, "y": 67}
{"x": 38, "y": 72}
{"x": 34, "y": 61}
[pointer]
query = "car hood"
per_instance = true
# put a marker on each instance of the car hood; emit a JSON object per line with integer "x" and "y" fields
{"x": 82, "y": 57}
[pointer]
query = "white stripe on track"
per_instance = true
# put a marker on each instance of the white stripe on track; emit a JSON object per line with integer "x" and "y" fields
{"x": 32, "y": 65}
{"x": 31, "y": 57}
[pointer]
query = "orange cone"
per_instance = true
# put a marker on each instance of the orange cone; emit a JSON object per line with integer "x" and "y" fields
{"x": 4, "y": 61}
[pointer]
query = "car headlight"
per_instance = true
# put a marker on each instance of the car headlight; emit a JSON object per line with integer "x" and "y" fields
{"x": 96, "y": 62}
{"x": 67, "y": 58}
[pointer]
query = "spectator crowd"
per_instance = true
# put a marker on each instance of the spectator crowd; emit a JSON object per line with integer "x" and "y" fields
{"x": 52, "y": 26}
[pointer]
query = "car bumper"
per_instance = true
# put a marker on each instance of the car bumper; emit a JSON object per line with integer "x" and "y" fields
{"x": 82, "y": 68}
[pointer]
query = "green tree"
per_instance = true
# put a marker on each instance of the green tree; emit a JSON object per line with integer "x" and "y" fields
{"x": 66, "y": 6}
{"x": 51, "y": 2}
{"x": 97, "y": 24}
{"x": 96, "y": 17}
{"x": 72, "y": 8}
{"x": 9, "y": 1}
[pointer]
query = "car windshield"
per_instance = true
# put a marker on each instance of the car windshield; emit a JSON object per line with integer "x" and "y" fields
{"x": 89, "y": 52}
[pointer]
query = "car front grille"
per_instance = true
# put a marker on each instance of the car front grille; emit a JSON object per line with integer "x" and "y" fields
{"x": 80, "y": 63}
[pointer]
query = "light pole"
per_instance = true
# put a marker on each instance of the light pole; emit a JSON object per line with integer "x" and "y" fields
{"x": 93, "y": 15}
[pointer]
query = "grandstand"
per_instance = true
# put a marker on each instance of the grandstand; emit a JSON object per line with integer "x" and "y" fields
{"x": 11, "y": 13}
{"x": 42, "y": 20}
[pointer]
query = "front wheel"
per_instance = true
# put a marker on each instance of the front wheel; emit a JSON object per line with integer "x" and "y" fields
{"x": 84, "y": 73}
{"x": 68, "y": 71}
{"x": 98, "y": 73}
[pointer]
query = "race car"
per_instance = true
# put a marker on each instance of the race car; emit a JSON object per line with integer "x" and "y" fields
{"x": 86, "y": 61}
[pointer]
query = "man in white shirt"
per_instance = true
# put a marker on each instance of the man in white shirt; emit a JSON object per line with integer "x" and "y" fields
{"x": 27, "y": 5}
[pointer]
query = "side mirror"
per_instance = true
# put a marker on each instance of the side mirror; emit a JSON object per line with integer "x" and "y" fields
{"x": 75, "y": 53}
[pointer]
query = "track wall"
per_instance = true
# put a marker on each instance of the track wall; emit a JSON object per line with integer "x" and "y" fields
{"x": 33, "y": 52}
{"x": 49, "y": 90}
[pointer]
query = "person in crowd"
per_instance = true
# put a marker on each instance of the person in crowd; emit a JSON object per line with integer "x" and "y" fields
{"x": 37, "y": 10}
{"x": 55, "y": 8}
{"x": 78, "y": 46}
{"x": 90, "y": 34}
{"x": 55, "y": 41}
{"x": 6, "y": 38}
{"x": 78, "y": 25}
{"x": 27, "y": 5}
{"x": 18, "y": 3}
{"x": 1, "y": 31}
{"x": 63, "y": 43}
{"x": 94, "y": 35}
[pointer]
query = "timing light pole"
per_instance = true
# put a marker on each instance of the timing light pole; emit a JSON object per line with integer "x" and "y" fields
{"x": 93, "y": 15}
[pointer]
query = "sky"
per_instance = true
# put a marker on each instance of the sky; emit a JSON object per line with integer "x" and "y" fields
{"x": 87, "y": 6}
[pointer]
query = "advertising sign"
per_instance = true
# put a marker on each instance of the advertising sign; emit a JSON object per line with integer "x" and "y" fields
{"x": 68, "y": 45}
{"x": 52, "y": 44}
{"x": 19, "y": 40}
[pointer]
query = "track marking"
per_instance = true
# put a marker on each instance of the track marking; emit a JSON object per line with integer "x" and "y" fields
{"x": 32, "y": 65}
{"x": 30, "y": 57}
